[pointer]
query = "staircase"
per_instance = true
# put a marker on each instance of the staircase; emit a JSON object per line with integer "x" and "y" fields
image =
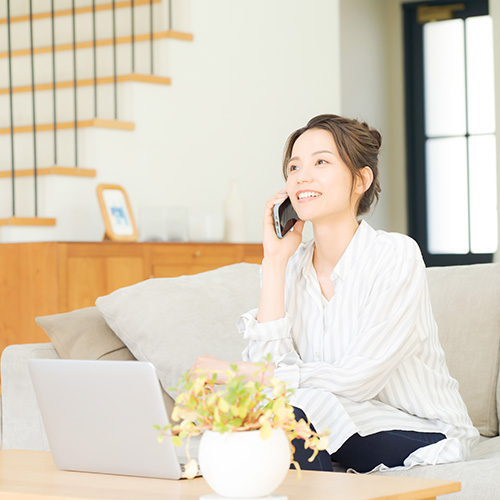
{"x": 73, "y": 74}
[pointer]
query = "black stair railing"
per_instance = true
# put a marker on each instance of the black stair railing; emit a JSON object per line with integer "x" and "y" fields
{"x": 11, "y": 103}
{"x": 114, "y": 62}
{"x": 132, "y": 31}
{"x": 151, "y": 31}
{"x": 75, "y": 100}
{"x": 35, "y": 166}
{"x": 75, "y": 80}
{"x": 94, "y": 48}
{"x": 54, "y": 101}
{"x": 13, "y": 169}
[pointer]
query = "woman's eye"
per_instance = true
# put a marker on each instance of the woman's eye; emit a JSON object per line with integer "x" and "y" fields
{"x": 321, "y": 162}
{"x": 292, "y": 168}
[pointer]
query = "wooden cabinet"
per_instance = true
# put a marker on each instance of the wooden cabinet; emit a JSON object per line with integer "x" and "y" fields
{"x": 38, "y": 279}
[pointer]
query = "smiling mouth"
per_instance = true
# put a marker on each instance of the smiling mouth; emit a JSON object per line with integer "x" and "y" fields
{"x": 308, "y": 194}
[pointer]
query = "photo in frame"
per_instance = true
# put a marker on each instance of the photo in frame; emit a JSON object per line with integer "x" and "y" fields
{"x": 117, "y": 214}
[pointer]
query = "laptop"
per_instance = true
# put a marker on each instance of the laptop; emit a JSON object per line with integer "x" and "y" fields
{"x": 99, "y": 417}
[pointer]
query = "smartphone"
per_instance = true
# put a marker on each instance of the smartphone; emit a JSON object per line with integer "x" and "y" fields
{"x": 285, "y": 217}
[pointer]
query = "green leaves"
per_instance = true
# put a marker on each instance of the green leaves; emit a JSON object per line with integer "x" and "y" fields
{"x": 177, "y": 441}
{"x": 223, "y": 405}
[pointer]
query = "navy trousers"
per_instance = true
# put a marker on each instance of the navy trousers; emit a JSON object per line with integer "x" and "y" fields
{"x": 364, "y": 453}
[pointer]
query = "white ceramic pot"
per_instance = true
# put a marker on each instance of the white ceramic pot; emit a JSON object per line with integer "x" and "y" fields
{"x": 242, "y": 464}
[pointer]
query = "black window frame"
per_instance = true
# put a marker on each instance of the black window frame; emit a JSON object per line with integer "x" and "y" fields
{"x": 415, "y": 128}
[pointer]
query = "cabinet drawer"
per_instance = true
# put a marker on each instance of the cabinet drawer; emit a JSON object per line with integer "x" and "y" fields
{"x": 177, "y": 260}
{"x": 192, "y": 258}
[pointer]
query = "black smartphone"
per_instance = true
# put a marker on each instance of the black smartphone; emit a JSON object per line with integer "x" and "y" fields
{"x": 285, "y": 217}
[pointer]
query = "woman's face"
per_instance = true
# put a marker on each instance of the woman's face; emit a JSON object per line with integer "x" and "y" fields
{"x": 319, "y": 183}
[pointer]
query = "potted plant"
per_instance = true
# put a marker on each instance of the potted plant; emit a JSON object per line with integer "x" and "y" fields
{"x": 247, "y": 426}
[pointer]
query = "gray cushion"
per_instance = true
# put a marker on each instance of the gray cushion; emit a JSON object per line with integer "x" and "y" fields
{"x": 172, "y": 321}
{"x": 83, "y": 334}
{"x": 466, "y": 305}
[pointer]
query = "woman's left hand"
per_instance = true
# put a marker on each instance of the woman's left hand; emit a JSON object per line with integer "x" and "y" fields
{"x": 208, "y": 365}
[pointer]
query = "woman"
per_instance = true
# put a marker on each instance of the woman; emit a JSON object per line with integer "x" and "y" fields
{"x": 347, "y": 316}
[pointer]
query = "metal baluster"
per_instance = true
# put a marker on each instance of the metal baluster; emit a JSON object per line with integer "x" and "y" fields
{"x": 114, "y": 60}
{"x": 133, "y": 36}
{"x": 467, "y": 136}
{"x": 95, "y": 59}
{"x": 54, "y": 81}
{"x": 169, "y": 15}
{"x": 74, "y": 84}
{"x": 34, "y": 111}
{"x": 11, "y": 114}
{"x": 151, "y": 31}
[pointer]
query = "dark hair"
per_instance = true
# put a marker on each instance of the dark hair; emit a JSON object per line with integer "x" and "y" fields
{"x": 358, "y": 145}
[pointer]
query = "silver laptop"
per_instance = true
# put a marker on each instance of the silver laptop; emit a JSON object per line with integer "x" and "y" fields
{"x": 99, "y": 417}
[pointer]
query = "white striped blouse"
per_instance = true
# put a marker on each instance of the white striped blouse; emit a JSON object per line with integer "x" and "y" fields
{"x": 368, "y": 360}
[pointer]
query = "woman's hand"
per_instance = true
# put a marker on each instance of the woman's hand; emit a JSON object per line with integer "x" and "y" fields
{"x": 274, "y": 247}
{"x": 208, "y": 365}
{"x": 277, "y": 252}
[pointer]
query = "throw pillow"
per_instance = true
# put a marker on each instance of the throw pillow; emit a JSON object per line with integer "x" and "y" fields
{"x": 466, "y": 306}
{"x": 83, "y": 334}
{"x": 172, "y": 321}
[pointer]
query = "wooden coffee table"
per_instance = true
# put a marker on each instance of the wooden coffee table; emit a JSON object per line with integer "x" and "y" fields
{"x": 31, "y": 475}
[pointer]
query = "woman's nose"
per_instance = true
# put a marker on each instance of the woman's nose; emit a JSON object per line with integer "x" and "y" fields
{"x": 304, "y": 175}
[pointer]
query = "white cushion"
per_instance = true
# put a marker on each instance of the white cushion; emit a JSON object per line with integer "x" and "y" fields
{"x": 172, "y": 321}
{"x": 478, "y": 476}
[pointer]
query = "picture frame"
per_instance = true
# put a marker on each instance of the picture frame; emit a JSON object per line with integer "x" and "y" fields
{"x": 117, "y": 213}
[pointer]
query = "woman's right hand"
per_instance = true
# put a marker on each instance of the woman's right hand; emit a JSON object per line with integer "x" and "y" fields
{"x": 274, "y": 247}
{"x": 277, "y": 252}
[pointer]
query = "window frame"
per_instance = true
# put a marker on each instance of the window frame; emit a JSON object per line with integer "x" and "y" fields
{"x": 415, "y": 128}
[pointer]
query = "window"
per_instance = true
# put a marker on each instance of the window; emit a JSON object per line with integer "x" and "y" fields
{"x": 450, "y": 122}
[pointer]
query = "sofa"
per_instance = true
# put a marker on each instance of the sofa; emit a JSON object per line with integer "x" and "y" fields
{"x": 171, "y": 321}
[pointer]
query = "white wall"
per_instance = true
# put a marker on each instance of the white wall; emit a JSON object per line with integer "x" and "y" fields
{"x": 372, "y": 90}
{"x": 363, "y": 80}
{"x": 255, "y": 71}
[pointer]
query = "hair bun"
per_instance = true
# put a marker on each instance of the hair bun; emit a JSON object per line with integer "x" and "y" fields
{"x": 376, "y": 136}
{"x": 374, "y": 133}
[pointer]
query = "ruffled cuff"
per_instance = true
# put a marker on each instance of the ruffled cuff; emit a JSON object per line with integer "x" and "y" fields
{"x": 269, "y": 330}
{"x": 290, "y": 374}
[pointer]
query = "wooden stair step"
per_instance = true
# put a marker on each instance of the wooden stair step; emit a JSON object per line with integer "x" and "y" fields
{"x": 28, "y": 221}
{"x": 95, "y": 122}
{"x": 132, "y": 77}
{"x": 79, "y": 10}
{"x": 55, "y": 170}
{"x": 178, "y": 35}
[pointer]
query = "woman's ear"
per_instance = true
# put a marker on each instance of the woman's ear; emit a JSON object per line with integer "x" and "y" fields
{"x": 364, "y": 180}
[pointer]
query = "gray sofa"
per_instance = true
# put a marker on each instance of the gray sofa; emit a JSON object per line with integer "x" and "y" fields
{"x": 173, "y": 320}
